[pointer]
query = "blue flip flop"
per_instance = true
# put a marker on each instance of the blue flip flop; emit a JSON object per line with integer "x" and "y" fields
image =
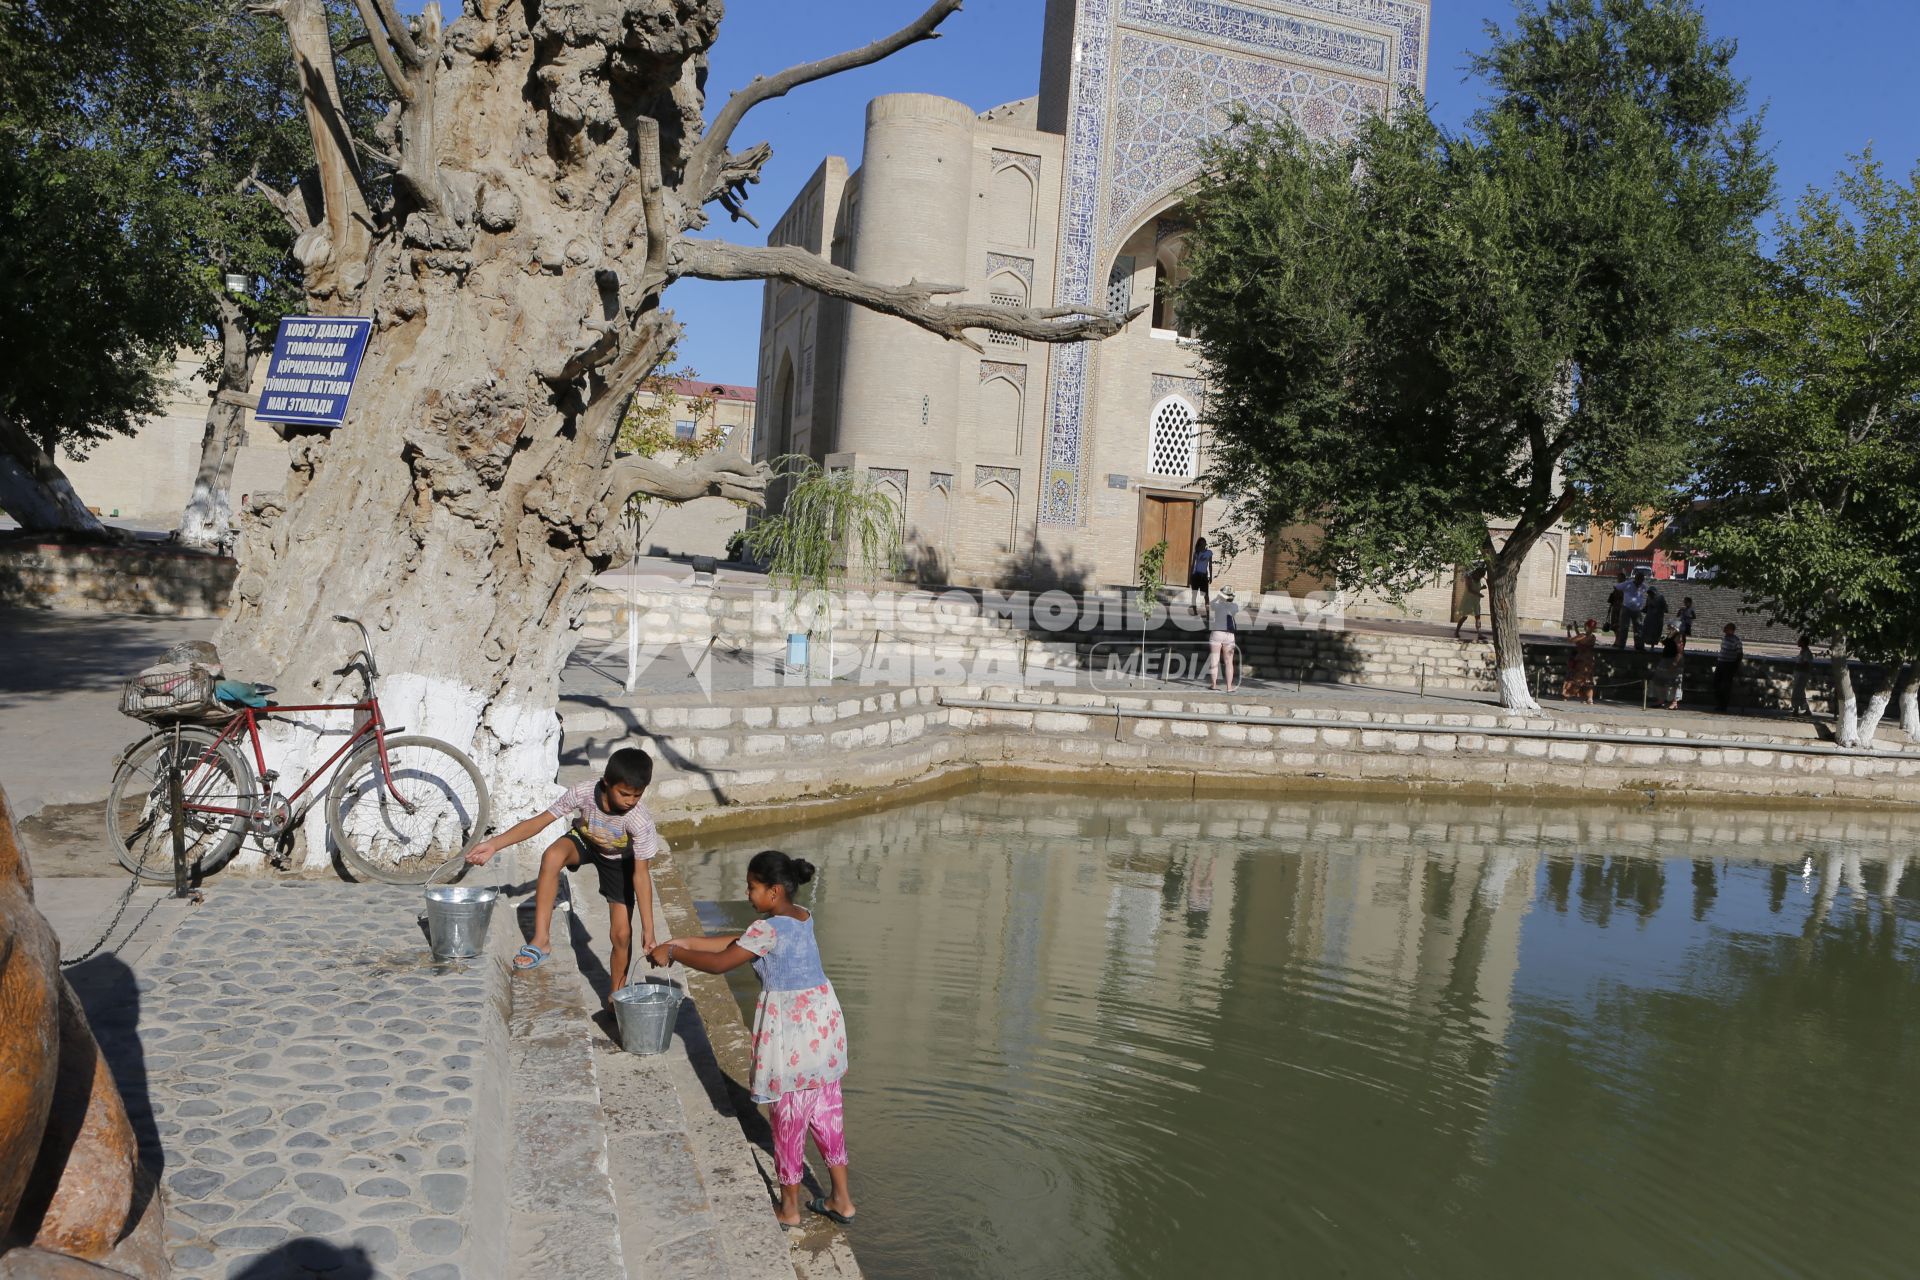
{"x": 535, "y": 958}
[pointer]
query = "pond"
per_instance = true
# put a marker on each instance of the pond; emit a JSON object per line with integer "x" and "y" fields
{"x": 1102, "y": 1035}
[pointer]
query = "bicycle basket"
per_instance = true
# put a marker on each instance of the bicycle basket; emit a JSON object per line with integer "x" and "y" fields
{"x": 172, "y": 691}
{"x": 200, "y": 653}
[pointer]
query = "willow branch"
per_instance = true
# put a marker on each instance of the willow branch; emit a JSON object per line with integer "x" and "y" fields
{"x": 697, "y": 186}
{"x": 914, "y": 302}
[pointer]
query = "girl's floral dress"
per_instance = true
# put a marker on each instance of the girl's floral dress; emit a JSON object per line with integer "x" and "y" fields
{"x": 799, "y": 1033}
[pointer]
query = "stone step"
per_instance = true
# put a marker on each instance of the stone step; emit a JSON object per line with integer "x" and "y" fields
{"x": 682, "y": 754}
{"x": 785, "y": 776}
{"x": 564, "y": 1219}
{"x": 740, "y": 711}
{"x": 624, "y": 1165}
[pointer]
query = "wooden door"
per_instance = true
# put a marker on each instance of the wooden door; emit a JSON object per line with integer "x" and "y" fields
{"x": 1169, "y": 520}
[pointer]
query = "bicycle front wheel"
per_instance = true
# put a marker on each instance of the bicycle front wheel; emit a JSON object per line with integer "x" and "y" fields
{"x": 139, "y": 817}
{"x": 402, "y": 823}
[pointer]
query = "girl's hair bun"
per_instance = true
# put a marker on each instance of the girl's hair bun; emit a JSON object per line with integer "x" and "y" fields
{"x": 771, "y": 867}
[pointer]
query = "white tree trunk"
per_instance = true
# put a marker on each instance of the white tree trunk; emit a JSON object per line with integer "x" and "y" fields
{"x": 209, "y": 512}
{"x": 1509, "y": 654}
{"x": 36, "y": 493}
{"x": 1846, "y": 708}
{"x": 1910, "y": 712}
{"x": 1876, "y": 709}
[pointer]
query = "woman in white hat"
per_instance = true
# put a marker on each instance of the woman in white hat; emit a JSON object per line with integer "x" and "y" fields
{"x": 1221, "y": 644}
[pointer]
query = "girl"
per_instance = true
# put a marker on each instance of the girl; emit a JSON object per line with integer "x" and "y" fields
{"x": 799, "y": 1034}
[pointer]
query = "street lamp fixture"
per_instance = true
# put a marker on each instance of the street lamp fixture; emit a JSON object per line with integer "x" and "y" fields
{"x": 236, "y": 283}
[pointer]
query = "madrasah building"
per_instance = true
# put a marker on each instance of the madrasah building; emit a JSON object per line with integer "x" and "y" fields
{"x": 1035, "y": 465}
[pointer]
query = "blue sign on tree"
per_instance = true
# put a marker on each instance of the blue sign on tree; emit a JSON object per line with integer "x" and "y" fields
{"x": 310, "y": 378}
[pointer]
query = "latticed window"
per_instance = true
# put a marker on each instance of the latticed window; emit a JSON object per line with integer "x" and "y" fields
{"x": 1000, "y": 299}
{"x": 1172, "y": 451}
{"x": 1120, "y": 285}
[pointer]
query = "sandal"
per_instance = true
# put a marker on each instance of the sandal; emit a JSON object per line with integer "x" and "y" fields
{"x": 819, "y": 1205}
{"x": 533, "y": 956}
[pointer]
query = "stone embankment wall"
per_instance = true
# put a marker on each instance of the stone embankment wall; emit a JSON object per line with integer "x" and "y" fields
{"x": 157, "y": 581}
{"x": 955, "y": 628}
{"x": 793, "y": 745}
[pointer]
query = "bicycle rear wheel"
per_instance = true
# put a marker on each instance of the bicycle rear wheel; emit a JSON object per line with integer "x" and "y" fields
{"x": 140, "y": 820}
{"x": 381, "y": 838}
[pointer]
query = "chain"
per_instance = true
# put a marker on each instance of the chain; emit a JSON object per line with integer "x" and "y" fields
{"x": 119, "y": 910}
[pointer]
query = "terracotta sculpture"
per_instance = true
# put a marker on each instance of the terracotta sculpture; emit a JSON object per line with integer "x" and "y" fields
{"x": 72, "y": 1192}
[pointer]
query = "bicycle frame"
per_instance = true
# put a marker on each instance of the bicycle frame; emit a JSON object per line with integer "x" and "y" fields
{"x": 249, "y": 717}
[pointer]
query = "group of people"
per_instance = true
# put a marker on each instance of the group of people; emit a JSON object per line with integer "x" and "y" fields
{"x": 1637, "y": 608}
{"x": 799, "y": 1031}
{"x": 1637, "y": 611}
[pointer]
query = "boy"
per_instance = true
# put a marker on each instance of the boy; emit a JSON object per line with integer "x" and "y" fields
{"x": 609, "y": 828}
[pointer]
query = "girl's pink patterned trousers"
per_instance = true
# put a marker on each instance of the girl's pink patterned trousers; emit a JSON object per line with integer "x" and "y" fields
{"x": 794, "y": 1114}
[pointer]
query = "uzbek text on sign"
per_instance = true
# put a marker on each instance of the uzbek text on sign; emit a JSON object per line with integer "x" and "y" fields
{"x": 310, "y": 378}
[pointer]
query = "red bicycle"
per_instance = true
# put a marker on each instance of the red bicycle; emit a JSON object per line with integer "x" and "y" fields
{"x": 400, "y": 807}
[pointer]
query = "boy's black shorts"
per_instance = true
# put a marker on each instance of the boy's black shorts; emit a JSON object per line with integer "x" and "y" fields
{"x": 616, "y": 874}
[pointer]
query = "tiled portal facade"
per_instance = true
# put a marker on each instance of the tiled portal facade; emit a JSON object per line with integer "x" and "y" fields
{"x": 1039, "y": 466}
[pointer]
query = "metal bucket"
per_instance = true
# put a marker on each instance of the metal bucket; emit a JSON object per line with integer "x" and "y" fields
{"x": 646, "y": 1011}
{"x": 457, "y": 919}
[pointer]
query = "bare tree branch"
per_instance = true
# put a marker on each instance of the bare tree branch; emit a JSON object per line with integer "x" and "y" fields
{"x": 697, "y": 186}
{"x": 737, "y": 171}
{"x": 380, "y": 37}
{"x": 403, "y": 41}
{"x": 288, "y": 210}
{"x": 723, "y": 474}
{"x": 647, "y": 143}
{"x": 914, "y": 302}
{"x": 343, "y": 194}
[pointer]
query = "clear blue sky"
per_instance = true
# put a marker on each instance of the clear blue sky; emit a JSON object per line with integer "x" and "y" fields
{"x": 1833, "y": 76}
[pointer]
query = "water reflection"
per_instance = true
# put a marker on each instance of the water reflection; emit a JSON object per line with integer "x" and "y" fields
{"x": 1100, "y": 1036}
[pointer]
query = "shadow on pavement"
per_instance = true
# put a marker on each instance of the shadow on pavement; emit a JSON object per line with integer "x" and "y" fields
{"x": 111, "y": 997}
{"x": 309, "y": 1256}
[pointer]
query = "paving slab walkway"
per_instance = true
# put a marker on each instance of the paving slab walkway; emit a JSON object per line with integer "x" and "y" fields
{"x": 316, "y": 1094}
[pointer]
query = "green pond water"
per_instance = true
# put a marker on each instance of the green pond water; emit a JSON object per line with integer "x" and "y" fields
{"x": 1096, "y": 1035}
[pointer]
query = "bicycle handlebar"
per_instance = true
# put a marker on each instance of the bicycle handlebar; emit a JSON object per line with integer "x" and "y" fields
{"x": 366, "y": 645}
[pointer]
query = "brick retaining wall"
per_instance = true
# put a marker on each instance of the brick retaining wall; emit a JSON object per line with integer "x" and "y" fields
{"x": 1714, "y": 604}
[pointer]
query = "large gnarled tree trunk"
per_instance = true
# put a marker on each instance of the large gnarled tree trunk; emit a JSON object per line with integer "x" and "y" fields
{"x": 546, "y": 162}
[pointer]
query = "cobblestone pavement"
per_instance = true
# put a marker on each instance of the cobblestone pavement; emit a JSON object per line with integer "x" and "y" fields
{"x": 307, "y": 1080}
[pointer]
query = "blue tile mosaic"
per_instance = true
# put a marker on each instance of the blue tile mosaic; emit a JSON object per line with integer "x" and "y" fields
{"x": 1154, "y": 77}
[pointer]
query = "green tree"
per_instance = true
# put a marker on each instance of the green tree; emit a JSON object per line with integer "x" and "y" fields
{"x": 93, "y": 285}
{"x": 144, "y": 159}
{"x": 240, "y": 152}
{"x": 1434, "y": 348}
{"x": 1809, "y": 496}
